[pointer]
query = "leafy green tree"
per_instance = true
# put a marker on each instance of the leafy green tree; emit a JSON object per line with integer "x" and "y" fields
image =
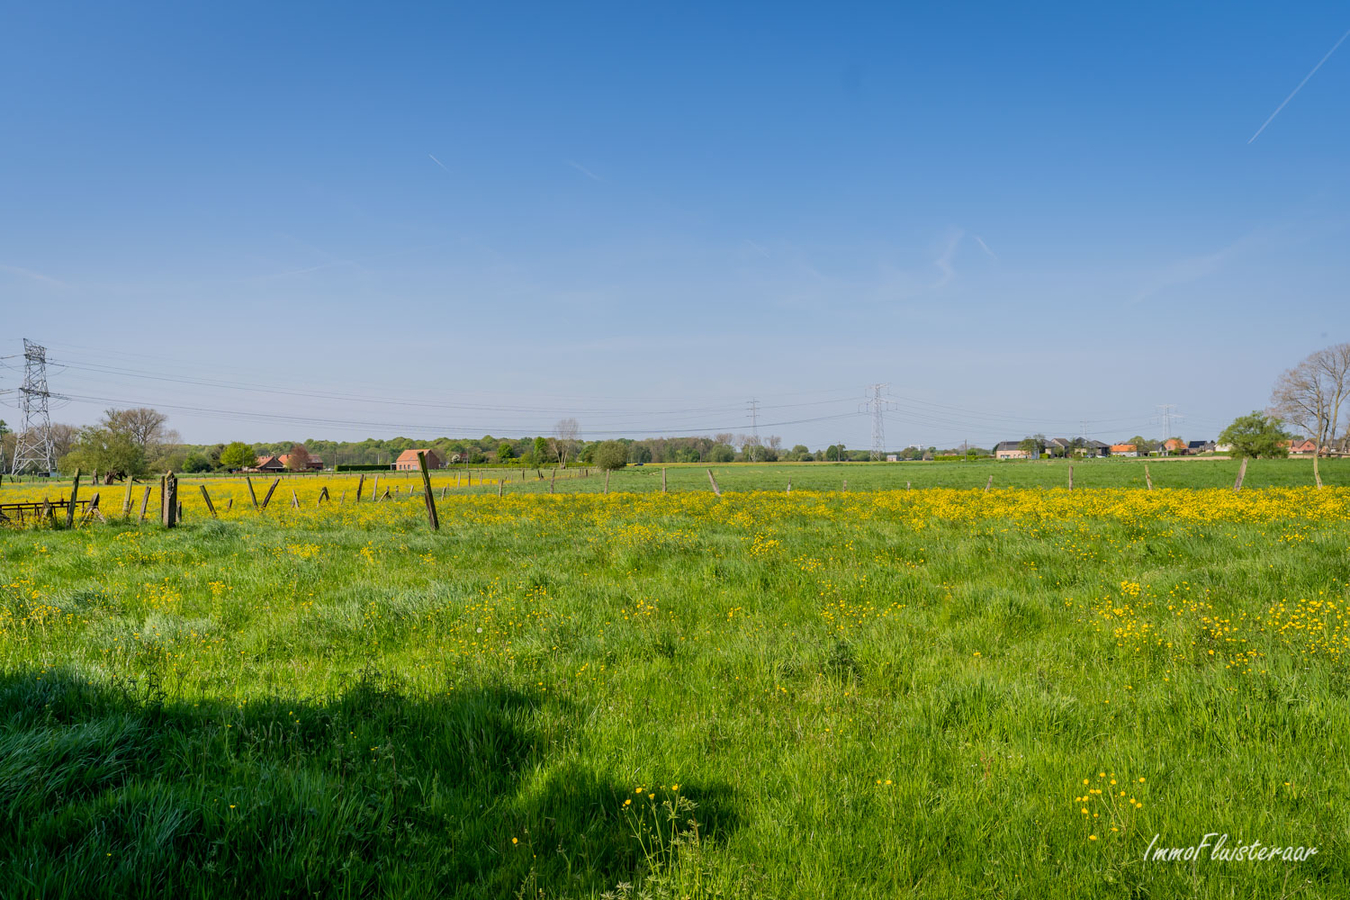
{"x": 1256, "y": 435}
{"x": 722, "y": 453}
{"x": 105, "y": 450}
{"x": 639, "y": 453}
{"x": 611, "y": 455}
{"x": 237, "y": 455}
{"x": 196, "y": 462}
{"x": 540, "y": 450}
{"x": 505, "y": 451}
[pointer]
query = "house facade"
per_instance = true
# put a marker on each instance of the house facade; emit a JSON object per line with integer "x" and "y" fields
{"x": 1124, "y": 450}
{"x": 407, "y": 460}
{"x": 1010, "y": 450}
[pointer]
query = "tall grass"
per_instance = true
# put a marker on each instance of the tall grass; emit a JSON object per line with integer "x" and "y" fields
{"x": 806, "y": 695}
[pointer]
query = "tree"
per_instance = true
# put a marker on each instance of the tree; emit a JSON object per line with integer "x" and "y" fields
{"x": 540, "y": 450}
{"x": 1034, "y": 446}
{"x": 1311, "y": 395}
{"x": 505, "y": 451}
{"x": 144, "y": 425}
{"x": 1256, "y": 435}
{"x": 611, "y": 455}
{"x": 102, "y": 449}
{"x": 835, "y": 452}
{"x": 298, "y": 458}
{"x": 238, "y": 455}
{"x": 196, "y": 462}
{"x": 722, "y": 453}
{"x": 565, "y": 434}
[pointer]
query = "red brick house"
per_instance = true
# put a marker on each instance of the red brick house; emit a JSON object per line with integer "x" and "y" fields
{"x": 407, "y": 460}
{"x": 270, "y": 464}
{"x": 314, "y": 464}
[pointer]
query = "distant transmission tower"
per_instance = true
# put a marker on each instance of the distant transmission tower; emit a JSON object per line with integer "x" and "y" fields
{"x": 34, "y": 440}
{"x": 1165, "y": 417}
{"x": 878, "y": 406}
{"x": 753, "y": 407}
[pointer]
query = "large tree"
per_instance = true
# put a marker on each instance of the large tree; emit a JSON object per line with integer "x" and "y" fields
{"x": 611, "y": 455}
{"x": 145, "y": 426}
{"x": 565, "y": 434}
{"x": 1256, "y": 435}
{"x": 1311, "y": 395}
{"x": 98, "y": 448}
{"x": 238, "y": 455}
{"x": 297, "y": 460}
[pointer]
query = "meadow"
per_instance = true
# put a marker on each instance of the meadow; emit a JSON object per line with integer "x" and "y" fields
{"x": 932, "y": 692}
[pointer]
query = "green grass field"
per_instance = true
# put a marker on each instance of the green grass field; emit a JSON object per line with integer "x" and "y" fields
{"x": 884, "y": 693}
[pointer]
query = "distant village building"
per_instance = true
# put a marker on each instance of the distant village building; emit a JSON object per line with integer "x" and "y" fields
{"x": 1174, "y": 445}
{"x": 1093, "y": 448}
{"x": 313, "y": 464}
{"x": 891, "y": 457}
{"x": 1200, "y": 447}
{"x": 1010, "y": 450}
{"x": 1124, "y": 450}
{"x": 269, "y": 464}
{"x": 1302, "y": 447}
{"x": 407, "y": 460}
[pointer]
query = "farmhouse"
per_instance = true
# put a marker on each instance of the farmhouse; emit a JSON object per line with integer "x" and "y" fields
{"x": 1302, "y": 447}
{"x": 1200, "y": 447}
{"x": 1173, "y": 445}
{"x": 1010, "y": 450}
{"x": 407, "y": 460}
{"x": 1093, "y": 447}
{"x": 1124, "y": 450}
{"x": 270, "y": 464}
{"x": 313, "y": 464}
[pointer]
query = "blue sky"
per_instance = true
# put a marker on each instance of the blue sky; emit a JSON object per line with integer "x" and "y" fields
{"x": 453, "y": 219}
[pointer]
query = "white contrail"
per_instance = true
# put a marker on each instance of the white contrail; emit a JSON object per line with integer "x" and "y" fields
{"x": 584, "y": 171}
{"x": 438, "y": 162}
{"x": 1300, "y": 87}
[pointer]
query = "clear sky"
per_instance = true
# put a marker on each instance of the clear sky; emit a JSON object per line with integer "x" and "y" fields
{"x": 286, "y": 220}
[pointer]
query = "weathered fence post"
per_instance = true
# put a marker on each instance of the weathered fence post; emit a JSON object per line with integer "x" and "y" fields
{"x": 145, "y": 503}
{"x": 607, "y": 481}
{"x": 74, "y": 491}
{"x": 789, "y": 490}
{"x": 1148, "y": 479}
{"x": 211, "y": 507}
{"x": 375, "y": 491}
{"x": 988, "y": 484}
{"x": 663, "y": 479}
{"x": 229, "y": 504}
{"x": 268, "y": 498}
{"x": 716, "y": 490}
{"x": 1071, "y": 478}
{"x": 500, "y": 483}
{"x": 552, "y": 480}
{"x": 360, "y": 483}
{"x": 906, "y": 485}
{"x": 251, "y": 493}
{"x": 126, "y": 501}
{"x": 170, "y": 504}
{"x": 295, "y": 501}
{"x": 845, "y": 485}
{"x": 1242, "y": 473}
{"x": 426, "y": 484}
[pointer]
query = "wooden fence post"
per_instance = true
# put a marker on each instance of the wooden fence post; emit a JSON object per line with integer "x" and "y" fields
{"x": 1148, "y": 479}
{"x": 663, "y": 480}
{"x": 1070, "y": 478}
{"x": 1242, "y": 473}
{"x": 295, "y": 501}
{"x": 229, "y": 504}
{"x": 375, "y": 491}
{"x": 209, "y": 505}
{"x": 251, "y": 493}
{"x": 789, "y": 490}
{"x": 426, "y": 484}
{"x": 360, "y": 483}
{"x": 145, "y": 503}
{"x": 716, "y": 489}
{"x": 267, "y": 499}
{"x": 607, "y": 481}
{"x": 552, "y": 480}
{"x": 126, "y": 501}
{"x": 500, "y": 483}
{"x": 988, "y": 484}
{"x": 74, "y": 491}
{"x": 906, "y": 485}
{"x": 845, "y": 485}
{"x": 170, "y": 504}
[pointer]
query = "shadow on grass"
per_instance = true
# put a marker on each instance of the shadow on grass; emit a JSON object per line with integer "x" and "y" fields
{"x": 113, "y": 791}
